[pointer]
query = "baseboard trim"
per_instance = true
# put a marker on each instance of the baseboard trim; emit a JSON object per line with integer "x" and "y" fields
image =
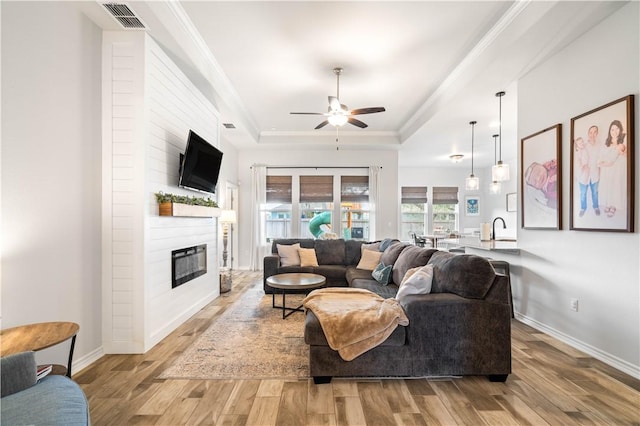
{"x": 609, "y": 359}
{"x": 85, "y": 361}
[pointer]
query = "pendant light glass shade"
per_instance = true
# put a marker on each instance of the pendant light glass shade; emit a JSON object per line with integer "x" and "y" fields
{"x": 472, "y": 183}
{"x": 500, "y": 171}
{"x": 495, "y": 187}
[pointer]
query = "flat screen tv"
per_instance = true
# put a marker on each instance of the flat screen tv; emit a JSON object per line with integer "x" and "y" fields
{"x": 200, "y": 165}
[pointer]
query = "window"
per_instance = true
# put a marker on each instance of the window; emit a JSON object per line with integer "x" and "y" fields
{"x": 316, "y": 205}
{"x": 354, "y": 207}
{"x": 413, "y": 211}
{"x": 445, "y": 209}
{"x": 278, "y": 208}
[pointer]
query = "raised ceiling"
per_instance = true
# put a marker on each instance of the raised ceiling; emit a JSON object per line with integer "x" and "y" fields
{"x": 434, "y": 66}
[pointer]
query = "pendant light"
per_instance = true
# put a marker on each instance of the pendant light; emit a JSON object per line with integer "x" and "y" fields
{"x": 472, "y": 183}
{"x": 495, "y": 187}
{"x": 500, "y": 172}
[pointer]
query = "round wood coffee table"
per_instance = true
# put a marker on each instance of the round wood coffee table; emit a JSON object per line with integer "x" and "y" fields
{"x": 293, "y": 281}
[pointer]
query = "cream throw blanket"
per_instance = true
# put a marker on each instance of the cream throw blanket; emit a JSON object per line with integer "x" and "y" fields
{"x": 354, "y": 320}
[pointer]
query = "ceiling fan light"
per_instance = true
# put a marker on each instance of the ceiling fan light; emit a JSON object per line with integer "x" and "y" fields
{"x": 495, "y": 187}
{"x": 500, "y": 172}
{"x": 338, "y": 119}
{"x": 472, "y": 183}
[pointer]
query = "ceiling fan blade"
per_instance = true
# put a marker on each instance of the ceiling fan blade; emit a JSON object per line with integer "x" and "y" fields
{"x": 321, "y": 125}
{"x": 334, "y": 103}
{"x": 356, "y": 122}
{"x": 369, "y": 110}
{"x": 307, "y": 113}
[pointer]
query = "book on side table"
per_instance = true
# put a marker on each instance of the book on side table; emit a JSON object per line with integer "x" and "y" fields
{"x": 43, "y": 370}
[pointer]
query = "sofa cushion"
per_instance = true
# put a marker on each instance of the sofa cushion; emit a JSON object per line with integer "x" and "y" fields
{"x": 369, "y": 260}
{"x": 307, "y": 257}
{"x": 391, "y": 253}
{"x": 330, "y": 271}
{"x": 410, "y": 257}
{"x": 382, "y": 273}
{"x": 466, "y": 275}
{"x": 295, "y": 269}
{"x": 386, "y": 291}
{"x": 289, "y": 254}
{"x": 353, "y": 252}
{"x": 419, "y": 282}
{"x": 355, "y": 273}
{"x": 330, "y": 252}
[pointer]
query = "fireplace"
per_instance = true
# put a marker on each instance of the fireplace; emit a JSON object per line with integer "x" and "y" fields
{"x": 188, "y": 263}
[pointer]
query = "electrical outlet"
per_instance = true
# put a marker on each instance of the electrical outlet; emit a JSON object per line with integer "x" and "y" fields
{"x": 574, "y": 305}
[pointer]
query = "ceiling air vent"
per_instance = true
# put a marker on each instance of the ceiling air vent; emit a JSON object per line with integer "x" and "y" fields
{"x": 124, "y": 15}
{"x": 229, "y": 125}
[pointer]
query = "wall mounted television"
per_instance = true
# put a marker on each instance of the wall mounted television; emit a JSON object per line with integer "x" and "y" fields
{"x": 200, "y": 165}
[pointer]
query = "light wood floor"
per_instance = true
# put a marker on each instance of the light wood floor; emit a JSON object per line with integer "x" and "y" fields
{"x": 551, "y": 383}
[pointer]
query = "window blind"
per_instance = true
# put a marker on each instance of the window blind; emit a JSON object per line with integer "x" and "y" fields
{"x": 354, "y": 189}
{"x": 316, "y": 189}
{"x": 279, "y": 189}
{"x": 445, "y": 195}
{"x": 414, "y": 194}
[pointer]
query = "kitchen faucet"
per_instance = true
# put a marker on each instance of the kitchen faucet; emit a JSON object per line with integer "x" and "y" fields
{"x": 504, "y": 226}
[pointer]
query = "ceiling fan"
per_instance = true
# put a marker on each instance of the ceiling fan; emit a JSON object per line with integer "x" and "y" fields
{"x": 338, "y": 114}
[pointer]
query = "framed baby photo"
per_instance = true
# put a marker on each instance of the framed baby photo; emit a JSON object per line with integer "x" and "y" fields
{"x": 541, "y": 184}
{"x": 602, "y": 168}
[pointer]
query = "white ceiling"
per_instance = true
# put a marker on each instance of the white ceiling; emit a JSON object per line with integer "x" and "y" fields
{"x": 434, "y": 66}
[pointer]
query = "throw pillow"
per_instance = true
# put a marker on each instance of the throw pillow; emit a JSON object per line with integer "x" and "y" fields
{"x": 369, "y": 260}
{"x": 289, "y": 254}
{"x": 385, "y": 243}
{"x": 408, "y": 274}
{"x": 308, "y": 257}
{"x": 370, "y": 246}
{"x": 382, "y": 273}
{"x": 418, "y": 283}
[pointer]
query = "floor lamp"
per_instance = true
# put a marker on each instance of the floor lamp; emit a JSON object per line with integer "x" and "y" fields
{"x": 227, "y": 219}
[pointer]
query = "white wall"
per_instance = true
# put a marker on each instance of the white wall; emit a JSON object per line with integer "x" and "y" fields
{"x": 598, "y": 268}
{"x": 51, "y": 160}
{"x": 387, "y": 215}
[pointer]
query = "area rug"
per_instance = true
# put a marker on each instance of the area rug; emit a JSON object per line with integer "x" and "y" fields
{"x": 250, "y": 340}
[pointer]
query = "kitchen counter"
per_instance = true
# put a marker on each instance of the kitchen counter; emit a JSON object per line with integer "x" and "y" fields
{"x": 504, "y": 246}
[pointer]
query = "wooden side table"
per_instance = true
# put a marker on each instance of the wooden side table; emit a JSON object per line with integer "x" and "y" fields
{"x": 35, "y": 337}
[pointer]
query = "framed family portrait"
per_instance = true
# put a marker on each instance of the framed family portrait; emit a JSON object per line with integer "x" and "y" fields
{"x": 471, "y": 203}
{"x": 541, "y": 184}
{"x": 602, "y": 168}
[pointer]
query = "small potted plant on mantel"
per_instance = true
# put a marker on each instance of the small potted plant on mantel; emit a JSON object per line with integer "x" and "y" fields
{"x": 182, "y": 205}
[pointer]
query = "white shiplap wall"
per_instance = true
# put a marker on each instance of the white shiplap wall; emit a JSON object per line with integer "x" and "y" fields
{"x": 174, "y": 106}
{"x": 148, "y": 108}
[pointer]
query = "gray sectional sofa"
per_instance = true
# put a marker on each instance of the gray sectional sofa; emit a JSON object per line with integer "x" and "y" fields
{"x": 333, "y": 258}
{"x": 463, "y": 327}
